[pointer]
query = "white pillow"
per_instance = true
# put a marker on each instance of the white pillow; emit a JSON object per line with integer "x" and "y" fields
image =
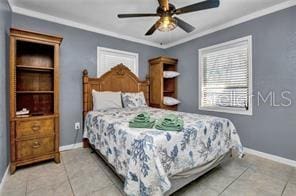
{"x": 170, "y": 74}
{"x": 170, "y": 101}
{"x": 106, "y": 100}
{"x": 133, "y": 100}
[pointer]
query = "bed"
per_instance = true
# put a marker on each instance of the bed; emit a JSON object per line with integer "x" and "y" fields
{"x": 151, "y": 161}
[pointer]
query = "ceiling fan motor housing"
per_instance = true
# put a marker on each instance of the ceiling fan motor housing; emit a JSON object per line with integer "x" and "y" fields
{"x": 160, "y": 10}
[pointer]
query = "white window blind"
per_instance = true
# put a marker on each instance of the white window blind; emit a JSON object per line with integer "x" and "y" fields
{"x": 108, "y": 58}
{"x": 225, "y": 83}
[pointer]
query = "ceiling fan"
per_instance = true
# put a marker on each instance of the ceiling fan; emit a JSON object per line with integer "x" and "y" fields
{"x": 166, "y": 11}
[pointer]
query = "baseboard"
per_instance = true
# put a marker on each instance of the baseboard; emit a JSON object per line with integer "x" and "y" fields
{"x": 4, "y": 179}
{"x": 71, "y": 146}
{"x": 271, "y": 157}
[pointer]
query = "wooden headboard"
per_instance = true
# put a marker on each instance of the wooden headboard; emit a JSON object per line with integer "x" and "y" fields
{"x": 119, "y": 78}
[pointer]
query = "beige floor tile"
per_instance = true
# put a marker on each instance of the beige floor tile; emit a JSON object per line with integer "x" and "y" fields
{"x": 47, "y": 181}
{"x": 15, "y": 185}
{"x": 13, "y": 193}
{"x": 234, "y": 167}
{"x": 89, "y": 175}
{"x": 45, "y": 170}
{"x": 61, "y": 189}
{"x": 270, "y": 168}
{"x": 255, "y": 183}
{"x": 88, "y": 182}
{"x": 110, "y": 190}
{"x": 196, "y": 188}
{"x": 292, "y": 178}
{"x": 77, "y": 155}
{"x": 110, "y": 174}
{"x": 75, "y": 168}
{"x": 290, "y": 190}
{"x": 218, "y": 179}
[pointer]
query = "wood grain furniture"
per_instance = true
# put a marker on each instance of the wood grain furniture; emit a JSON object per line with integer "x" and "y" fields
{"x": 160, "y": 86}
{"x": 34, "y": 85}
{"x": 120, "y": 78}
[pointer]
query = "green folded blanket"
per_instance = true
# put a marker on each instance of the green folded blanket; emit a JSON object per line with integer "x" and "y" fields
{"x": 142, "y": 120}
{"x": 170, "y": 122}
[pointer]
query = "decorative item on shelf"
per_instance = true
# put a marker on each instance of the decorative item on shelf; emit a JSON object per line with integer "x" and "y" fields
{"x": 163, "y": 82}
{"x": 170, "y": 101}
{"x": 170, "y": 74}
{"x": 24, "y": 111}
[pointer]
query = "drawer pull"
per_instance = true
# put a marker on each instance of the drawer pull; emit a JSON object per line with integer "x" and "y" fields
{"x": 36, "y": 145}
{"x": 35, "y": 127}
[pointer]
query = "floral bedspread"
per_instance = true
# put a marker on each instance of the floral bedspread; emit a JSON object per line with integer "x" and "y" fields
{"x": 148, "y": 157}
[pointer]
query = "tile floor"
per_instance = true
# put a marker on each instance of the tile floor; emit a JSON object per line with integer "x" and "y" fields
{"x": 84, "y": 173}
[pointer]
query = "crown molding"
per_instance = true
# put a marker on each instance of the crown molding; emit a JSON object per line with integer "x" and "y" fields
{"x": 50, "y": 18}
{"x": 234, "y": 22}
{"x": 78, "y": 25}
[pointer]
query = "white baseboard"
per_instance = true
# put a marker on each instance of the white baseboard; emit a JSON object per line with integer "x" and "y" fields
{"x": 4, "y": 179}
{"x": 71, "y": 146}
{"x": 271, "y": 157}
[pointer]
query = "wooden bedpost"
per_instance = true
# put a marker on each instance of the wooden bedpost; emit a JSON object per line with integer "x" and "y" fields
{"x": 85, "y": 102}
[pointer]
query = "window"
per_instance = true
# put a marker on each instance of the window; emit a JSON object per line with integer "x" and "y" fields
{"x": 108, "y": 58}
{"x": 225, "y": 77}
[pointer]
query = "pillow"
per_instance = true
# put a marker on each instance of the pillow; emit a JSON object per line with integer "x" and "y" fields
{"x": 133, "y": 100}
{"x": 106, "y": 100}
{"x": 170, "y": 101}
{"x": 170, "y": 74}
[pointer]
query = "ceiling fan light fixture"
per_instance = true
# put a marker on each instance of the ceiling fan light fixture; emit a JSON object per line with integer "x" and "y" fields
{"x": 166, "y": 24}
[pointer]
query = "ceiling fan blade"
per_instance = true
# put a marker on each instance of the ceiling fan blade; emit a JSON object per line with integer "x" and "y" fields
{"x": 136, "y": 15}
{"x": 164, "y": 4}
{"x": 152, "y": 29}
{"x": 184, "y": 25}
{"x": 198, "y": 6}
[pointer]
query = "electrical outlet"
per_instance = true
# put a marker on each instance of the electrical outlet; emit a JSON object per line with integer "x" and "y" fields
{"x": 77, "y": 126}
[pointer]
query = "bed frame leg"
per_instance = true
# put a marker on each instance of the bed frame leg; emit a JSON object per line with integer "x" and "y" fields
{"x": 85, "y": 143}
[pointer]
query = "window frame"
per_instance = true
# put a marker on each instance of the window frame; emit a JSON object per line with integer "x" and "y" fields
{"x": 102, "y": 50}
{"x": 218, "y": 47}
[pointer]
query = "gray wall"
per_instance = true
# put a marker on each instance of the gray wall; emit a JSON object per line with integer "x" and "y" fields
{"x": 5, "y": 22}
{"x": 79, "y": 51}
{"x": 270, "y": 129}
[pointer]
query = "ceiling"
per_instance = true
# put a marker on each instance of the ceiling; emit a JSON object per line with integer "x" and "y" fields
{"x": 101, "y": 15}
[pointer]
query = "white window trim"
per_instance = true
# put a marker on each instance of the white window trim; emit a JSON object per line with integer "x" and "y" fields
{"x": 102, "y": 49}
{"x": 250, "y": 79}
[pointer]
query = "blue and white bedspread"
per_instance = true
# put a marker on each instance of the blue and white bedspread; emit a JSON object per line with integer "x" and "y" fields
{"x": 148, "y": 157}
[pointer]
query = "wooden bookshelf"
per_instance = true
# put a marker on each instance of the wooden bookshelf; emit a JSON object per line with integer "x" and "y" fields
{"x": 34, "y": 85}
{"x": 160, "y": 86}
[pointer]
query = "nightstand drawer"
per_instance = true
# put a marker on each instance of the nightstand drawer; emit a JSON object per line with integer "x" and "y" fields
{"x": 34, "y": 148}
{"x": 38, "y": 127}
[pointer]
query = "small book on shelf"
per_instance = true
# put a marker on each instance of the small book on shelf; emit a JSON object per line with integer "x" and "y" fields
{"x": 23, "y": 116}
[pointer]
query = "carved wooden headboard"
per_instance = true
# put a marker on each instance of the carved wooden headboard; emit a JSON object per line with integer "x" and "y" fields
{"x": 119, "y": 78}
